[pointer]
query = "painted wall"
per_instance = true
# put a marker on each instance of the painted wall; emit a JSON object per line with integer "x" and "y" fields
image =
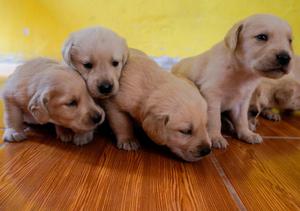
{"x": 159, "y": 27}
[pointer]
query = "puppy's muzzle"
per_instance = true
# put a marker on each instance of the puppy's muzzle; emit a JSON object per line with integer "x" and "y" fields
{"x": 105, "y": 88}
{"x": 283, "y": 59}
{"x": 203, "y": 151}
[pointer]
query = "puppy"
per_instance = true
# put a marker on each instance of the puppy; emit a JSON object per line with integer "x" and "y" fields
{"x": 44, "y": 91}
{"x": 258, "y": 46}
{"x": 282, "y": 94}
{"x": 98, "y": 55}
{"x": 170, "y": 110}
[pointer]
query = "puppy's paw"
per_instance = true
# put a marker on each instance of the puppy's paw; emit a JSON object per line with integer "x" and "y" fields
{"x": 11, "y": 135}
{"x": 251, "y": 138}
{"x": 219, "y": 142}
{"x": 65, "y": 135}
{"x": 83, "y": 138}
{"x": 272, "y": 116}
{"x": 128, "y": 144}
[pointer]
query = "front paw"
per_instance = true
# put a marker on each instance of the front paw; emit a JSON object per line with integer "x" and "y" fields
{"x": 11, "y": 135}
{"x": 272, "y": 116}
{"x": 251, "y": 138}
{"x": 128, "y": 144}
{"x": 64, "y": 134}
{"x": 219, "y": 142}
{"x": 83, "y": 138}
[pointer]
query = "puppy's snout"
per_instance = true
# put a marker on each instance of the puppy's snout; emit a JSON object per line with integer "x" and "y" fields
{"x": 203, "y": 150}
{"x": 96, "y": 118}
{"x": 105, "y": 87}
{"x": 283, "y": 58}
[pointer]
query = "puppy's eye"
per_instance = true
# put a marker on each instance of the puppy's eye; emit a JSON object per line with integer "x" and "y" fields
{"x": 115, "y": 63}
{"x": 262, "y": 37}
{"x": 290, "y": 40}
{"x": 186, "y": 131}
{"x": 72, "y": 103}
{"x": 88, "y": 65}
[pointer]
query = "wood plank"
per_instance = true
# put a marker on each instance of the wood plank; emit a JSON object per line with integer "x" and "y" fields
{"x": 266, "y": 176}
{"x": 43, "y": 173}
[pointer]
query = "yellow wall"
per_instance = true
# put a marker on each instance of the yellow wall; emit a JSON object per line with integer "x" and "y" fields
{"x": 159, "y": 27}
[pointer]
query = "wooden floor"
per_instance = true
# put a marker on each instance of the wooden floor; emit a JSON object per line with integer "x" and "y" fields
{"x": 45, "y": 174}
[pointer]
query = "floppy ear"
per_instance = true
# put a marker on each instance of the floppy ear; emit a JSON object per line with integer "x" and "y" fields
{"x": 38, "y": 107}
{"x": 153, "y": 125}
{"x": 66, "y": 51}
{"x": 283, "y": 95}
{"x": 232, "y": 37}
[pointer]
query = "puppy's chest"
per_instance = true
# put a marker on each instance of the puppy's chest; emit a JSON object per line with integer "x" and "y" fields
{"x": 235, "y": 94}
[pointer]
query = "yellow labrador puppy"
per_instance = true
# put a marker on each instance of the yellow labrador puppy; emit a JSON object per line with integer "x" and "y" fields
{"x": 44, "y": 91}
{"x": 282, "y": 94}
{"x": 258, "y": 46}
{"x": 98, "y": 55}
{"x": 170, "y": 110}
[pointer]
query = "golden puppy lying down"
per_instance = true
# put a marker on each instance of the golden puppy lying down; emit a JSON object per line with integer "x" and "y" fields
{"x": 170, "y": 110}
{"x": 258, "y": 46}
{"x": 44, "y": 91}
{"x": 282, "y": 94}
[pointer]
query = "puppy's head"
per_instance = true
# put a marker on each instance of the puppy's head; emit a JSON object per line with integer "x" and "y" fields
{"x": 177, "y": 118}
{"x": 287, "y": 95}
{"x": 98, "y": 54}
{"x": 65, "y": 101}
{"x": 262, "y": 44}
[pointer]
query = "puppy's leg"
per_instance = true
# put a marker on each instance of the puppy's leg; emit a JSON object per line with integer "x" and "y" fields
{"x": 214, "y": 124}
{"x": 121, "y": 124}
{"x": 239, "y": 116}
{"x": 267, "y": 113}
{"x": 14, "y": 126}
{"x": 64, "y": 134}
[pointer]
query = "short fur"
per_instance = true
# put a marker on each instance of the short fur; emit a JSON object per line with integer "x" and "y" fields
{"x": 102, "y": 49}
{"x": 228, "y": 73}
{"x": 44, "y": 91}
{"x": 282, "y": 94}
{"x": 170, "y": 110}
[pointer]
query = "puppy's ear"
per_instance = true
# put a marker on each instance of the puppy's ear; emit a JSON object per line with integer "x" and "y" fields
{"x": 38, "y": 107}
{"x": 232, "y": 36}
{"x": 125, "y": 53}
{"x": 154, "y": 125}
{"x": 283, "y": 95}
{"x": 66, "y": 51}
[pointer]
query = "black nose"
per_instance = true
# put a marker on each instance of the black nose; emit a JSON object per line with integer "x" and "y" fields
{"x": 105, "y": 87}
{"x": 283, "y": 58}
{"x": 204, "y": 151}
{"x": 96, "y": 118}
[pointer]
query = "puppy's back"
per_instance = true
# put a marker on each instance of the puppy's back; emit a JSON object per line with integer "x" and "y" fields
{"x": 34, "y": 75}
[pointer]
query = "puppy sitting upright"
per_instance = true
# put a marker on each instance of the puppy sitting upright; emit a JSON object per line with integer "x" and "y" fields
{"x": 227, "y": 74}
{"x": 170, "y": 110}
{"x": 42, "y": 91}
{"x": 98, "y": 55}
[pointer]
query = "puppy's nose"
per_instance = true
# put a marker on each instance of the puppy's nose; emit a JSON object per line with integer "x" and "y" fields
{"x": 105, "y": 87}
{"x": 204, "y": 151}
{"x": 96, "y": 118}
{"x": 283, "y": 58}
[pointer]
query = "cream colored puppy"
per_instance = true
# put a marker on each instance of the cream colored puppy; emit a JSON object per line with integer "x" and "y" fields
{"x": 282, "y": 94}
{"x": 258, "y": 46}
{"x": 98, "y": 55}
{"x": 170, "y": 110}
{"x": 44, "y": 91}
